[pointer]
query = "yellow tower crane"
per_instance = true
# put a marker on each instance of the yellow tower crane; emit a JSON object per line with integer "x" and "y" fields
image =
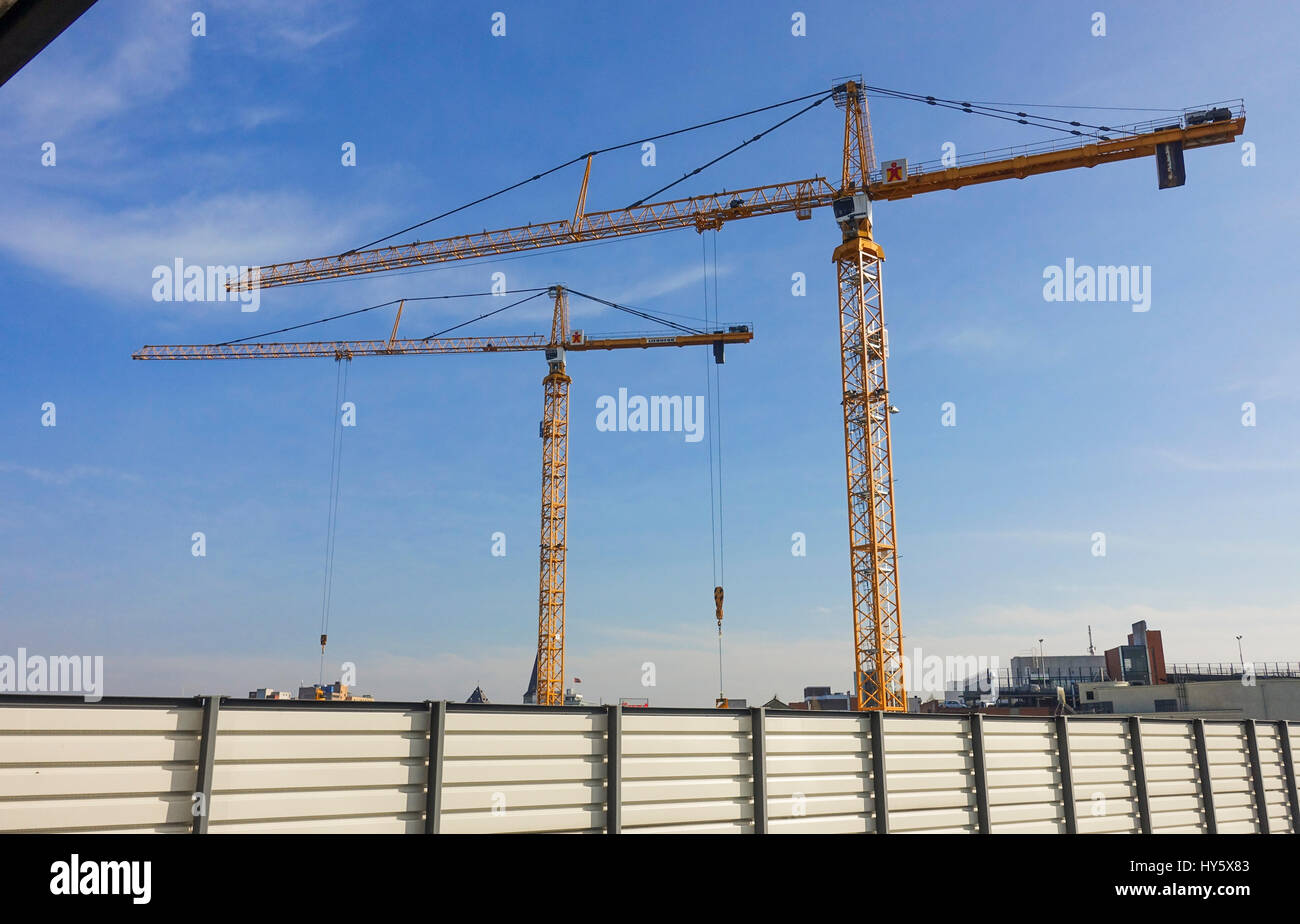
{"x": 554, "y": 428}
{"x": 877, "y": 630}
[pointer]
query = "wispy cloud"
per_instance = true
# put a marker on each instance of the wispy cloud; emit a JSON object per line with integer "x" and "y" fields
{"x": 115, "y": 251}
{"x": 146, "y": 58}
{"x": 1186, "y": 462}
{"x": 665, "y": 283}
{"x": 1278, "y": 383}
{"x": 67, "y": 475}
{"x": 303, "y": 38}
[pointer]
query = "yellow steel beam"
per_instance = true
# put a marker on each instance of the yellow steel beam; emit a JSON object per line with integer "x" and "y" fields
{"x": 710, "y": 212}
{"x": 338, "y": 349}
{"x": 699, "y": 212}
{"x": 1068, "y": 158}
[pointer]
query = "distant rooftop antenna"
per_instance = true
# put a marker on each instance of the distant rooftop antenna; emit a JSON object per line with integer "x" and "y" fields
{"x": 1092, "y": 650}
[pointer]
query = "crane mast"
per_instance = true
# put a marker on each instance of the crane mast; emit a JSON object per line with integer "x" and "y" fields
{"x": 873, "y": 566}
{"x": 555, "y": 490}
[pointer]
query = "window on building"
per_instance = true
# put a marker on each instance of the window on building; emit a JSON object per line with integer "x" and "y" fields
{"x": 1166, "y": 705}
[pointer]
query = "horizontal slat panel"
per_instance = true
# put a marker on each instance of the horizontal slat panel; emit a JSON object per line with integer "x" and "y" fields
{"x": 319, "y": 719}
{"x": 729, "y": 827}
{"x": 509, "y": 796}
{"x": 341, "y": 746}
{"x": 532, "y": 721}
{"x": 84, "y": 814}
{"x": 820, "y": 725}
{"x": 1105, "y": 784}
{"x": 839, "y": 804}
{"x": 930, "y": 774}
{"x": 520, "y": 821}
{"x": 99, "y": 720}
{"x": 522, "y": 770}
{"x": 686, "y": 770}
{"x": 318, "y": 775}
{"x": 788, "y": 785}
{"x": 403, "y": 824}
{"x": 642, "y": 745}
{"x": 524, "y": 745}
{"x": 821, "y": 824}
{"x": 727, "y": 723}
{"x": 815, "y": 744}
{"x": 267, "y": 806}
{"x": 20, "y": 782}
{"x": 97, "y": 749}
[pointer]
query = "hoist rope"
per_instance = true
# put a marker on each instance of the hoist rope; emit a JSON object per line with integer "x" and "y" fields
{"x": 331, "y": 529}
{"x": 713, "y": 417}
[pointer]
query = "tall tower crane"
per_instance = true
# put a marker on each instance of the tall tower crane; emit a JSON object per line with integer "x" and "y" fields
{"x": 554, "y": 428}
{"x": 873, "y": 572}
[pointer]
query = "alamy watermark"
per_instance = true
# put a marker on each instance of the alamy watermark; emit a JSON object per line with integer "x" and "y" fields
{"x": 933, "y": 674}
{"x": 196, "y": 283}
{"x": 1098, "y": 284}
{"x": 54, "y": 674}
{"x": 655, "y": 414}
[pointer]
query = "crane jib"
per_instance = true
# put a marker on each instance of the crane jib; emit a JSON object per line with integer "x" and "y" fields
{"x": 710, "y": 212}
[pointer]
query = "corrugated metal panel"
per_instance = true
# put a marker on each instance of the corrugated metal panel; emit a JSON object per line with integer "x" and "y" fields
{"x": 1230, "y": 779}
{"x": 1173, "y": 779}
{"x": 1274, "y": 777}
{"x": 1024, "y": 776}
{"x": 115, "y": 767}
{"x": 96, "y": 768}
{"x": 930, "y": 773}
{"x": 687, "y": 773}
{"x": 1105, "y": 787}
{"x": 318, "y": 771}
{"x": 819, "y": 775}
{"x": 528, "y": 771}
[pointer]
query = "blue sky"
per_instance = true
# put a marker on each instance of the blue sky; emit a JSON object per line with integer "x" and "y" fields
{"x": 1072, "y": 418}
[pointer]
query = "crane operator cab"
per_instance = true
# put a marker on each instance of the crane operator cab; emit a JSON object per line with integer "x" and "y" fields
{"x": 851, "y": 212}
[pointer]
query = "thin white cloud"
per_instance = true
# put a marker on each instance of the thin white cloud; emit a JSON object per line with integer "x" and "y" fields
{"x": 665, "y": 283}
{"x": 1186, "y": 462}
{"x": 116, "y": 252}
{"x": 67, "y": 475}
{"x": 305, "y": 38}
{"x": 109, "y": 62}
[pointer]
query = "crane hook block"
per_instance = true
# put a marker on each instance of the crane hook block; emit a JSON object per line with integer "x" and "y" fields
{"x": 717, "y": 604}
{"x": 322, "y": 642}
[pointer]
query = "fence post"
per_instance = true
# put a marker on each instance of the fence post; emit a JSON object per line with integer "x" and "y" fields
{"x": 758, "y": 754}
{"x": 1139, "y": 773}
{"x": 1067, "y": 774}
{"x": 207, "y": 756}
{"x": 878, "y": 771}
{"x": 1288, "y": 764}
{"x": 433, "y": 781}
{"x": 1257, "y": 776}
{"x": 614, "y": 769}
{"x": 981, "y": 772}
{"x": 1203, "y": 766}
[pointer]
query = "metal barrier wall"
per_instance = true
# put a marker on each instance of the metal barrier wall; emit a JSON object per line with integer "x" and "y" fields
{"x": 217, "y": 765}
